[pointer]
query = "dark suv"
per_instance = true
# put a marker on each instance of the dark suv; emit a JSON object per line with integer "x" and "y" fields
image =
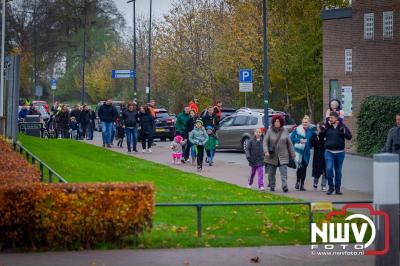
{"x": 165, "y": 125}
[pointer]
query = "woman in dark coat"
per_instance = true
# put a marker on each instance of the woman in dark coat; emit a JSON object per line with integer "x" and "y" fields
{"x": 62, "y": 122}
{"x": 318, "y": 165}
{"x": 189, "y": 127}
{"x": 84, "y": 120}
{"x": 146, "y": 122}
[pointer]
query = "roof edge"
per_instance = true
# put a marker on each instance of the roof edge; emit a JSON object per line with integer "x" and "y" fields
{"x": 337, "y": 13}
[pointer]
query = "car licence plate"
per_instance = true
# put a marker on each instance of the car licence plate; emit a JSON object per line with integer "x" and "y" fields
{"x": 160, "y": 130}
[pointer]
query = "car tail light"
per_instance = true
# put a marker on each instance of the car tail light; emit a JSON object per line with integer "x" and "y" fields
{"x": 170, "y": 121}
{"x": 262, "y": 130}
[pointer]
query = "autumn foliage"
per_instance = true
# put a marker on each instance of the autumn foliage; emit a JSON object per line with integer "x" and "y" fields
{"x": 66, "y": 216}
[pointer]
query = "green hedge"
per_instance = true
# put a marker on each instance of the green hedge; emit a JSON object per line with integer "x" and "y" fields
{"x": 376, "y": 117}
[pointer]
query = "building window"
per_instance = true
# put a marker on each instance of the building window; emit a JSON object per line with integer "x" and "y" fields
{"x": 388, "y": 25}
{"x": 333, "y": 89}
{"x": 348, "y": 60}
{"x": 369, "y": 26}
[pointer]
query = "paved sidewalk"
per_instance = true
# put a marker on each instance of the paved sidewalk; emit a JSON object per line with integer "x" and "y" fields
{"x": 271, "y": 256}
{"x": 237, "y": 174}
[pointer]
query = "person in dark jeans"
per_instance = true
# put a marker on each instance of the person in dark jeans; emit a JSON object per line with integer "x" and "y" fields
{"x": 181, "y": 129}
{"x": 335, "y": 134}
{"x": 318, "y": 164}
{"x": 146, "y": 122}
{"x": 189, "y": 127}
{"x": 108, "y": 115}
{"x": 92, "y": 123}
{"x": 130, "y": 121}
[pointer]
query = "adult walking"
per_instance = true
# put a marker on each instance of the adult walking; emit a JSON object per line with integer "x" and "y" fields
{"x": 218, "y": 110}
{"x": 278, "y": 150}
{"x": 130, "y": 121}
{"x": 335, "y": 134}
{"x": 181, "y": 129}
{"x": 210, "y": 119}
{"x": 62, "y": 122}
{"x": 189, "y": 127}
{"x": 301, "y": 139}
{"x": 92, "y": 122}
{"x": 146, "y": 122}
{"x": 84, "y": 119}
{"x": 193, "y": 105}
{"x": 318, "y": 164}
{"x": 108, "y": 115}
{"x": 392, "y": 144}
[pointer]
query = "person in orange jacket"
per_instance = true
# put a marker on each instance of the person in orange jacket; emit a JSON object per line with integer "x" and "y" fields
{"x": 193, "y": 106}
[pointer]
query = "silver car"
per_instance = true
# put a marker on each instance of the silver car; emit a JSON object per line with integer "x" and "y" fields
{"x": 235, "y": 131}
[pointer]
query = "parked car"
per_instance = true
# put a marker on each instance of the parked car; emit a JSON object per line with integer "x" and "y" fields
{"x": 38, "y": 103}
{"x": 42, "y": 110}
{"x": 235, "y": 131}
{"x": 117, "y": 104}
{"x": 165, "y": 125}
{"x": 225, "y": 112}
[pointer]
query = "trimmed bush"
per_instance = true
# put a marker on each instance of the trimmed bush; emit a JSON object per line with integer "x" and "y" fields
{"x": 376, "y": 117}
{"x": 73, "y": 215}
{"x": 14, "y": 167}
{"x": 67, "y": 216}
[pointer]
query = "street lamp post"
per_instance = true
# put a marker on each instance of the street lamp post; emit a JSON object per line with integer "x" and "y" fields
{"x": 149, "y": 67}
{"x": 134, "y": 50}
{"x": 83, "y": 55}
{"x": 35, "y": 43}
{"x": 265, "y": 48}
{"x": 3, "y": 33}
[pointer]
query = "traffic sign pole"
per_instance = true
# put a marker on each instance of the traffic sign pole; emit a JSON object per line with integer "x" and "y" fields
{"x": 265, "y": 49}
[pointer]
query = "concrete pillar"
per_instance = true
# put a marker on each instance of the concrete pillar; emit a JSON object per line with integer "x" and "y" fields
{"x": 387, "y": 198}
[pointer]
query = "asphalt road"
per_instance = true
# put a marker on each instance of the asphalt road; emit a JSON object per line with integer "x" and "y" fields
{"x": 357, "y": 170}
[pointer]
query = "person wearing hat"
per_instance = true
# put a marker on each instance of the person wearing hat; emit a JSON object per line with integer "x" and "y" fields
{"x": 335, "y": 134}
{"x": 198, "y": 137}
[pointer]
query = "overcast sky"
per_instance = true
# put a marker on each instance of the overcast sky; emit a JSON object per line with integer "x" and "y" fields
{"x": 160, "y": 7}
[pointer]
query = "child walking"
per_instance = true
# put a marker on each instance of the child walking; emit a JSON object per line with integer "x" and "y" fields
{"x": 210, "y": 146}
{"x": 255, "y": 156}
{"x": 177, "y": 147}
{"x": 198, "y": 136}
{"x": 73, "y": 128}
{"x": 120, "y": 133}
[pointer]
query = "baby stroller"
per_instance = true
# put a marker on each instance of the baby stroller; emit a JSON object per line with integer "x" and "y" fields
{"x": 48, "y": 129}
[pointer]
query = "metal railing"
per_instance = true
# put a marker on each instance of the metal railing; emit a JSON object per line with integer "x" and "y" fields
{"x": 42, "y": 166}
{"x": 199, "y": 207}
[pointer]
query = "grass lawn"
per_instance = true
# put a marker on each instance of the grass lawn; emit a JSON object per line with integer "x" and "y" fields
{"x": 176, "y": 227}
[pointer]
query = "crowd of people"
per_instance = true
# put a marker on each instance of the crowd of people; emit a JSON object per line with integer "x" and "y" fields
{"x": 280, "y": 149}
{"x": 196, "y": 137}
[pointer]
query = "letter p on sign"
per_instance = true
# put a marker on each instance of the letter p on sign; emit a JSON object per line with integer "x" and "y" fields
{"x": 246, "y": 76}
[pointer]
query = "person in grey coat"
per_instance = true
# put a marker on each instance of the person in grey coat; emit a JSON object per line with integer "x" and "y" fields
{"x": 198, "y": 136}
{"x": 393, "y": 139}
{"x": 278, "y": 150}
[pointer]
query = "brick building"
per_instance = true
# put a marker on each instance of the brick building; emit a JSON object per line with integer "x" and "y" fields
{"x": 361, "y": 54}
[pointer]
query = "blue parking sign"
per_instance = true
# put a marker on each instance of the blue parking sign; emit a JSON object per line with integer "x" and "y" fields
{"x": 246, "y": 76}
